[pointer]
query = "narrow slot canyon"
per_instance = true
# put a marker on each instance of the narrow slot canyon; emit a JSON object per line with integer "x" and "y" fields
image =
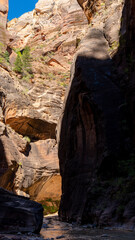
{"x": 67, "y": 160}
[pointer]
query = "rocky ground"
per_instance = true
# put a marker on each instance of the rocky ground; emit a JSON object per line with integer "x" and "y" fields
{"x": 53, "y": 229}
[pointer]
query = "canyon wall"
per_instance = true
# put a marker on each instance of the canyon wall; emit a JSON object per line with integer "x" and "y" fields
{"x": 96, "y": 128}
{"x": 130, "y": 59}
{"x": 95, "y": 146}
{"x": 3, "y": 21}
{"x": 30, "y": 105}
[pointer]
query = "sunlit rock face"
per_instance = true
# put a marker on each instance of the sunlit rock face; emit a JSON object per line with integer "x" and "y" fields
{"x": 30, "y": 109}
{"x": 3, "y": 13}
{"x": 47, "y": 16}
{"x": 3, "y": 20}
{"x": 63, "y": 7}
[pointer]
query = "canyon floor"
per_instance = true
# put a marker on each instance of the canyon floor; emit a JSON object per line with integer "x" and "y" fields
{"x": 53, "y": 229}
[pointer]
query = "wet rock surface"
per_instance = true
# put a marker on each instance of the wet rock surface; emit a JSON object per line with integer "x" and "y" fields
{"x": 53, "y": 229}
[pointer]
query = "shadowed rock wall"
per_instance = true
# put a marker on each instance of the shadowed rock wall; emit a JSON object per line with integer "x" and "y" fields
{"x": 90, "y": 127}
{"x": 130, "y": 58}
{"x": 94, "y": 144}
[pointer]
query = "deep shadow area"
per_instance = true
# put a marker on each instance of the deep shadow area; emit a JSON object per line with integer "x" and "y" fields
{"x": 3, "y": 162}
{"x": 7, "y": 173}
{"x": 97, "y": 161}
{"x": 124, "y": 62}
{"x": 34, "y": 128}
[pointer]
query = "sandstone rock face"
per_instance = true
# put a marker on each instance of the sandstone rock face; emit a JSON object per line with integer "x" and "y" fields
{"x": 49, "y": 189}
{"x": 34, "y": 25}
{"x": 23, "y": 163}
{"x": 92, "y": 133}
{"x": 93, "y": 143}
{"x": 89, "y": 7}
{"x": 3, "y": 12}
{"x": 3, "y": 20}
{"x": 19, "y": 214}
{"x": 92, "y": 127}
{"x": 30, "y": 108}
{"x": 42, "y": 161}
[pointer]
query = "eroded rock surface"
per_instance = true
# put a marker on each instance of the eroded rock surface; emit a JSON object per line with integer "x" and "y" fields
{"x": 92, "y": 115}
{"x": 4, "y": 35}
{"x": 94, "y": 145}
{"x": 30, "y": 108}
{"x": 19, "y": 214}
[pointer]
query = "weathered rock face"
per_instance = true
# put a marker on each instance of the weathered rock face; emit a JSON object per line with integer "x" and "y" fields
{"x": 41, "y": 161}
{"x": 93, "y": 142}
{"x": 90, "y": 138}
{"x": 3, "y": 21}
{"x": 19, "y": 214}
{"x": 3, "y": 12}
{"x": 30, "y": 108}
{"x": 43, "y": 189}
{"x": 89, "y": 7}
{"x": 23, "y": 163}
{"x": 35, "y": 26}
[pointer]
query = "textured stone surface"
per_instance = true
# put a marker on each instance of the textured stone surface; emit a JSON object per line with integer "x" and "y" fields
{"x": 23, "y": 163}
{"x": 41, "y": 161}
{"x": 32, "y": 108}
{"x": 92, "y": 115}
{"x": 34, "y": 25}
{"x": 91, "y": 136}
{"x": 3, "y": 12}
{"x": 19, "y": 214}
{"x": 3, "y": 21}
{"x": 45, "y": 189}
{"x": 94, "y": 145}
{"x": 89, "y": 7}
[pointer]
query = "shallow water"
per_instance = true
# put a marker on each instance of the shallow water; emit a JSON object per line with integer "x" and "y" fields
{"x": 54, "y": 229}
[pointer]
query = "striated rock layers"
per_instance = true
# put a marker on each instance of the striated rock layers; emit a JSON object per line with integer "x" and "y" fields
{"x": 52, "y": 16}
{"x": 30, "y": 106}
{"x": 28, "y": 151}
{"x": 96, "y": 160}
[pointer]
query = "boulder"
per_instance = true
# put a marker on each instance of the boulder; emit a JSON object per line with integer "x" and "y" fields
{"x": 19, "y": 214}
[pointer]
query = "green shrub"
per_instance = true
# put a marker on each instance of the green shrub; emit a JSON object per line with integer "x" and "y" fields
{"x": 18, "y": 64}
{"x": 4, "y": 55}
{"x": 23, "y": 64}
{"x": 26, "y": 59}
{"x": 50, "y": 209}
{"x": 27, "y": 139}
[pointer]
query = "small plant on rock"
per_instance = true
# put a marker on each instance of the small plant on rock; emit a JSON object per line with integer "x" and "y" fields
{"x": 18, "y": 64}
{"x": 22, "y": 64}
